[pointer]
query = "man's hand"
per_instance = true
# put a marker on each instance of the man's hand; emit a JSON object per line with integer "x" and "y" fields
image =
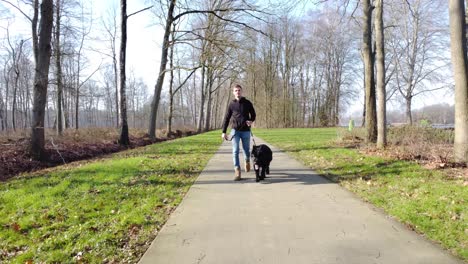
{"x": 248, "y": 122}
{"x": 224, "y": 136}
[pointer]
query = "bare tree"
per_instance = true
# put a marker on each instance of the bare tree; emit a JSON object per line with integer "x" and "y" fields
{"x": 368, "y": 56}
{"x": 171, "y": 17}
{"x": 162, "y": 69}
{"x": 6, "y": 81}
{"x": 41, "y": 79}
{"x": 460, "y": 69}
{"x": 83, "y": 33}
{"x": 16, "y": 52}
{"x": 58, "y": 66}
{"x": 418, "y": 48}
{"x": 380, "y": 63}
{"x": 111, "y": 29}
{"x": 124, "y": 138}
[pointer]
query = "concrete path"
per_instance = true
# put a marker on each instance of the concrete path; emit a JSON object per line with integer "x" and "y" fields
{"x": 294, "y": 216}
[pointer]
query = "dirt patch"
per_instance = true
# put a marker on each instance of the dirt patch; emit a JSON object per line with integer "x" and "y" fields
{"x": 15, "y": 159}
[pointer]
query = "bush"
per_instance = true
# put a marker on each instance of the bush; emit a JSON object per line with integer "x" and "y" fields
{"x": 357, "y": 134}
{"x": 410, "y": 135}
{"x": 422, "y": 143}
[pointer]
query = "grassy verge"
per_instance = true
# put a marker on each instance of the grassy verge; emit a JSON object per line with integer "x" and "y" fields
{"x": 106, "y": 211}
{"x": 425, "y": 200}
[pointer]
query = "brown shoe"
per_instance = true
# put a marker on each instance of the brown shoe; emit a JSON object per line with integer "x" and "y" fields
{"x": 247, "y": 166}
{"x": 237, "y": 174}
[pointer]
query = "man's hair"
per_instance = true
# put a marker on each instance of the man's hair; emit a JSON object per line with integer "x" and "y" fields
{"x": 237, "y": 86}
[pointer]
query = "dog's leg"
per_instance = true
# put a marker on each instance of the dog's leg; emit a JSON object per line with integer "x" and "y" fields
{"x": 257, "y": 171}
{"x": 262, "y": 175}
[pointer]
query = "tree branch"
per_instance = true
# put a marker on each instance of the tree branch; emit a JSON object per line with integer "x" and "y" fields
{"x": 216, "y": 10}
{"x": 240, "y": 23}
{"x": 89, "y": 77}
{"x": 186, "y": 79}
{"x": 17, "y": 8}
{"x": 431, "y": 90}
{"x": 134, "y": 13}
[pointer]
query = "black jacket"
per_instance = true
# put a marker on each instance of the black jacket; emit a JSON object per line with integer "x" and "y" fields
{"x": 241, "y": 111}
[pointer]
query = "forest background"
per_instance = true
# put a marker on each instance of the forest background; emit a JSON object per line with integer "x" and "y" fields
{"x": 300, "y": 64}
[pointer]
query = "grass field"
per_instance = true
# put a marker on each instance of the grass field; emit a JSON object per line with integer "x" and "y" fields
{"x": 110, "y": 210}
{"x": 105, "y": 211}
{"x": 425, "y": 200}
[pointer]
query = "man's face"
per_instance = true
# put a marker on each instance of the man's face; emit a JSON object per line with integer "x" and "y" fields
{"x": 237, "y": 92}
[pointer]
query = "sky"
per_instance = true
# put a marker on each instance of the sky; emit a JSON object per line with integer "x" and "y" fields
{"x": 144, "y": 36}
{"x": 144, "y": 48}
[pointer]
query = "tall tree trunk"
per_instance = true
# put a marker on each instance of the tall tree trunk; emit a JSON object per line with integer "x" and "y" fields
{"x": 171, "y": 85}
{"x": 371, "y": 115}
{"x": 58, "y": 68}
{"x": 202, "y": 99}
{"x": 35, "y": 39}
{"x": 124, "y": 138}
{"x": 13, "y": 106}
{"x": 41, "y": 79}
{"x": 381, "y": 93}
{"x": 409, "y": 117}
{"x": 7, "y": 92}
{"x": 162, "y": 71}
{"x": 193, "y": 107}
{"x": 209, "y": 94}
{"x": 77, "y": 101}
{"x": 460, "y": 69}
{"x": 2, "y": 105}
{"x": 78, "y": 84}
{"x": 66, "y": 112}
{"x": 116, "y": 85}
{"x": 16, "y": 68}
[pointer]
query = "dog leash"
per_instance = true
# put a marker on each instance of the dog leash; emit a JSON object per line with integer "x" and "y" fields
{"x": 251, "y": 134}
{"x": 252, "y": 137}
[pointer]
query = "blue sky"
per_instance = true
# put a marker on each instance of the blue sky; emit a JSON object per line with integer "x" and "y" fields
{"x": 144, "y": 46}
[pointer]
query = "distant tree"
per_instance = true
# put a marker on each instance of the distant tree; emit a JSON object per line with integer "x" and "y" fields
{"x": 82, "y": 34}
{"x": 58, "y": 66}
{"x": 437, "y": 113}
{"x": 418, "y": 47}
{"x": 16, "y": 53}
{"x": 171, "y": 15}
{"x": 111, "y": 29}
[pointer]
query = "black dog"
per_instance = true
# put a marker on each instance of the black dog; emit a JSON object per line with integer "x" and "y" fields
{"x": 262, "y": 157}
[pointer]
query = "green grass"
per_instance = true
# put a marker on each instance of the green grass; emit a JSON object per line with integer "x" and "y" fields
{"x": 425, "y": 200}
{"x": 105, "y": 211}
{"x": 111, "y": 210}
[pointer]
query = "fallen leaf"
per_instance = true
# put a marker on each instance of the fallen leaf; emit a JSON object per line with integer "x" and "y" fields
{"x": 16, "y": 227}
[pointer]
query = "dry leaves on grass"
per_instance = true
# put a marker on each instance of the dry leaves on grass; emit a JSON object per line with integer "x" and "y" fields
{"x": 433, "y": 157}
{"x": 72, "y": 146}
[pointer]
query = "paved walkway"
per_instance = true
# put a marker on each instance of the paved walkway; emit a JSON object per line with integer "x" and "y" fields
{"x": 294, "y": 216}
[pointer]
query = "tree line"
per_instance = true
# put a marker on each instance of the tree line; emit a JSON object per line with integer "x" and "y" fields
{"x": 299, "y": 70}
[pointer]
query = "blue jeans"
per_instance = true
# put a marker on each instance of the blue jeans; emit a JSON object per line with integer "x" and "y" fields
{"x": 237, "y": 136}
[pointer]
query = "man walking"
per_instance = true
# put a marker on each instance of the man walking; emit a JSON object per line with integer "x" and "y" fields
{"x": 243, "y": 114}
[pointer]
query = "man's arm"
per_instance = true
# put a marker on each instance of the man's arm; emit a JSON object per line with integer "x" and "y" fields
{"x": 227, "y": 117}
{"x": 253, "y": 115}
